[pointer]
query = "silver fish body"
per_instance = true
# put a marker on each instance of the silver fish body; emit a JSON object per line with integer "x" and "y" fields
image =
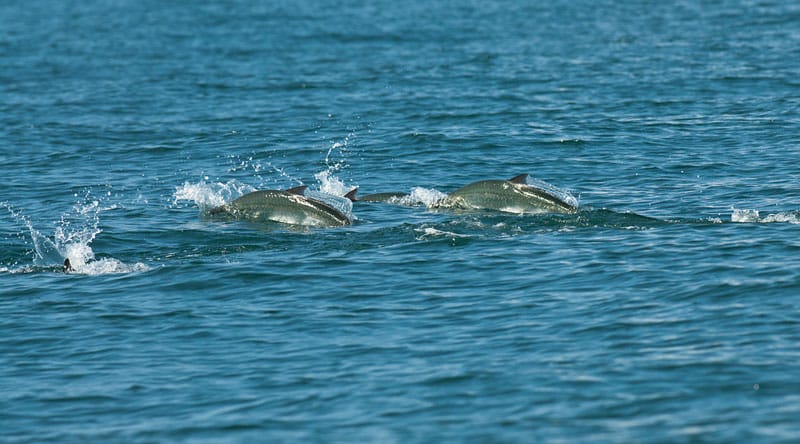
{"x": 512, "y": 196}
{"x": 289, "y": 207}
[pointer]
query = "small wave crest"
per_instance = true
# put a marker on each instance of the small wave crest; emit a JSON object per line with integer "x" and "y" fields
{"x": 754, "y": 216}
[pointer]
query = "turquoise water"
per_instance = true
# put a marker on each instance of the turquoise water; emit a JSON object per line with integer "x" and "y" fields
{"x": 665, "y": 310}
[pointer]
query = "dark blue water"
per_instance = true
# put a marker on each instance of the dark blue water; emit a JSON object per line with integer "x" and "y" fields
{"x": 666, "y": 309}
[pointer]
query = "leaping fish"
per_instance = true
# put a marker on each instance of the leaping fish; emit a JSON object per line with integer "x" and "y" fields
{"x": 286, "y": 206}
{"x": 515, "y": 195}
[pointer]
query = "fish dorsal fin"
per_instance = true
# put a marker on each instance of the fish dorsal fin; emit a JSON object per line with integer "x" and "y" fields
{"x": 522, "y": 179}
{"x": 299, "y": 190}
{"x": 352, "y": 194}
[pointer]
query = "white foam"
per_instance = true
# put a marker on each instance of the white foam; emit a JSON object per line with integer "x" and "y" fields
{"x": 744, "y": 215}
{"x": 790, "y": 218}
{"x": 425, "y": 196}
{"x": 330, "y": 184}
{"x": 754, "y": 216}
{"x": 108, "y": 266}
{"x": 210, "y": 195}
{"x": 78, "y": 254}
{"x": 429, "y": 232}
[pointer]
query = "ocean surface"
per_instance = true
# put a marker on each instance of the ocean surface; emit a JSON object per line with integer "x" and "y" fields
{"x": 667, "y": 309}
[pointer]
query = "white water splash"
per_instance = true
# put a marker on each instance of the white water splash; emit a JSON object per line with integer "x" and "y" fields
{"x": 71, "y": 240}
{"x": 341, "y": 147}
{"x": 754, "y": 216}
{"x": 209, "y": 195}
{"x": 258, "y": 168}
{"x": 45, "y": 251}
{"x": 329, "y": 183}
{"x": 425, "y": 196}
{"x": 327, "y": 179}
{"x": 331, "y": 188}
{"x": 109, "y": 266}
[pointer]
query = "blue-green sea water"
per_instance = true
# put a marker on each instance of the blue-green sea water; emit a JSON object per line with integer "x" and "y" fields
{"x": 667, "y": 309}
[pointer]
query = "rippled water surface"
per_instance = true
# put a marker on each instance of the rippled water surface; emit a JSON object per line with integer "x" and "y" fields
{"x": 666, "y": 309}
